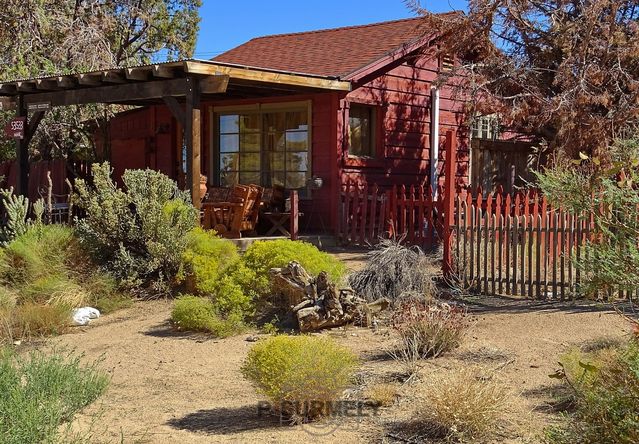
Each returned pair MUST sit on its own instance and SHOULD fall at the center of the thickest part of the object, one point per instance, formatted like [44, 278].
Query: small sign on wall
[15, 128]
[39, 106]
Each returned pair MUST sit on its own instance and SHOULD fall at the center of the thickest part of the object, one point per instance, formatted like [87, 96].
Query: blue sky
[226, 24]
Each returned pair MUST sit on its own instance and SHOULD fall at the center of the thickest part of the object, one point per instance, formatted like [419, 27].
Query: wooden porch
[182, 87]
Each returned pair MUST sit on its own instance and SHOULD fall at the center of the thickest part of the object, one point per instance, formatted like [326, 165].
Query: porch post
[22, 151]
[192, 133]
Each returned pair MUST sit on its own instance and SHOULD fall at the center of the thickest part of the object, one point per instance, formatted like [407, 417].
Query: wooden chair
[239, 214]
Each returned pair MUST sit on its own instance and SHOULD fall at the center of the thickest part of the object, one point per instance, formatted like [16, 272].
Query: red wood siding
[404, 96]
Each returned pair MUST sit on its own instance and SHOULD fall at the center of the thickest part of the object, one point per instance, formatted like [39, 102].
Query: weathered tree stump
[316, 303]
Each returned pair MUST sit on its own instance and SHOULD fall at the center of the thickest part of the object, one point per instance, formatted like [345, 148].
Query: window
[361, 131]
[264, 147]
[486, 127]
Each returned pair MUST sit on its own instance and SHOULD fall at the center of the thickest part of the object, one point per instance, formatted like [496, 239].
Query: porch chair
[237, 215]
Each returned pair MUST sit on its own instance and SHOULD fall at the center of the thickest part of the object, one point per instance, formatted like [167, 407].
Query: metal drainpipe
[434, 139]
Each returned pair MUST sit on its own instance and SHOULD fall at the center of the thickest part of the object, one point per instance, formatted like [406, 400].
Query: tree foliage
[46, 37]
[610, 196]
[565, 71]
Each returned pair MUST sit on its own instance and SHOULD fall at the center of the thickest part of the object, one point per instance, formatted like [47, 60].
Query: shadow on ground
[166, 330]
[501, 304]
[226, 421]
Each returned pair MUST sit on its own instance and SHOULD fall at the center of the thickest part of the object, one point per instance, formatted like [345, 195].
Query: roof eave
[388, 59]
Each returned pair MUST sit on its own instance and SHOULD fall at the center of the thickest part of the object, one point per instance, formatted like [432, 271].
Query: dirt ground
[170, 387]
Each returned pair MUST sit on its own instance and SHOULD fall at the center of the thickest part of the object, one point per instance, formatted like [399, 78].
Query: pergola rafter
[181, 86]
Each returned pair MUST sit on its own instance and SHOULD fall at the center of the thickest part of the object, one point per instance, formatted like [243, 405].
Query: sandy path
[173, 388]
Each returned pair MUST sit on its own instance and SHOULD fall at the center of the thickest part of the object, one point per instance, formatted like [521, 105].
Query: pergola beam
[129, 92]
[299, 80]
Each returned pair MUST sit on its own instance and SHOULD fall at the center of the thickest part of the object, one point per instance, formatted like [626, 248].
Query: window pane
[297, 141]
[229, 178]
[250, 123]
[277, 161]
[249, 177]
[229, 124]
[278, 178]
[229, 162]
[297, 161]
[275, 122]
[250, 142]
[250, 162]
[229, 143]
[275, 142]
[297, 120]
[295, 180]
[360, 131]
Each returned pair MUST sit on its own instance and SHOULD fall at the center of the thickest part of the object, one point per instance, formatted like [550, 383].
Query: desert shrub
[261, 256]
[200, 314]
[45, 273]
[383, 395]
[8, 298]
[40, 393]
[16, 210]
[300, 375]
[204, 259]
[392, 270]
[30, 320]
[139, 232]
[605, 386]
[428, 329]
[462, 405]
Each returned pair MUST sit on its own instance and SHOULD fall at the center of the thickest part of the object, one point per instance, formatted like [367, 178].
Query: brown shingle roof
[329, 52]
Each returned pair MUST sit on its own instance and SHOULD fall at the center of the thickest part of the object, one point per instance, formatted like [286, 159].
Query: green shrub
[45, 273]
[206, 256]
[41, 251]
[200, 314]
[8, 298]
[40, 393]
[139, 232]
[300, 375]
[606, 397]
[261, 256]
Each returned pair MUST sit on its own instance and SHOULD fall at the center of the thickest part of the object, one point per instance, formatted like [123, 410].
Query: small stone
[252, 338]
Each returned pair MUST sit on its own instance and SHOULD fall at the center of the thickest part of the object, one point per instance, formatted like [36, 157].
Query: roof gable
[330, 52]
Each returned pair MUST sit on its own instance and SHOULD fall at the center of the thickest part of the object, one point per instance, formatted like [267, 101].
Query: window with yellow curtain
[266, 148]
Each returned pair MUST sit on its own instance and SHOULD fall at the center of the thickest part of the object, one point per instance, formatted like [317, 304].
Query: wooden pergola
[181, 86]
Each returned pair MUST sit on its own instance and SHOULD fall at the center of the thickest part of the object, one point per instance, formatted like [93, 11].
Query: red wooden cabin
[383, 128]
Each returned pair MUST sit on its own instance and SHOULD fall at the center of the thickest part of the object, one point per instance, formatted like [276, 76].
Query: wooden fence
[517, 245]
[370, 213]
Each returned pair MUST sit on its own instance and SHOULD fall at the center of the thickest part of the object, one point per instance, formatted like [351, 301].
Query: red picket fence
[368, 214]
[493, 243]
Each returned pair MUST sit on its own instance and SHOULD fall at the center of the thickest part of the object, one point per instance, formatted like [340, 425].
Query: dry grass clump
[392, 270]
[382, 394]
[30, 320]
[462, 406]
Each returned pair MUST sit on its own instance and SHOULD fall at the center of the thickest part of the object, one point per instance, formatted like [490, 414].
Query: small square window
[361, 131]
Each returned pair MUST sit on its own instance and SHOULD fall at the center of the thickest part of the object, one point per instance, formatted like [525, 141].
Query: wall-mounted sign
[7, 104]
[15, 128]
[39, 106]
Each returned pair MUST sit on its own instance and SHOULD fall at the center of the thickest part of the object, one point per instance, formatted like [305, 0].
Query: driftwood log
[316, 303]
